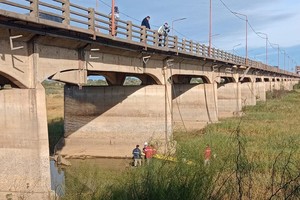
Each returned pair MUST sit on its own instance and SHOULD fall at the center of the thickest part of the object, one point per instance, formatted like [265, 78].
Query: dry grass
[55, 106]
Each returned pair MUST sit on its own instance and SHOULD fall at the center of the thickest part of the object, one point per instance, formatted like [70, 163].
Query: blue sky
[279, 19]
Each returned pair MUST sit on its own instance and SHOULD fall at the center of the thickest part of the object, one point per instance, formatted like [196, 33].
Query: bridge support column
[260, 91]
[24, 148]
[109, 121]
[268, 85]
[287, 84]
[275, 84]
[194, 106]
[229, 99]
[248, 93]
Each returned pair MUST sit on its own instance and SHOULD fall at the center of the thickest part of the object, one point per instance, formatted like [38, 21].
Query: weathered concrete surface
[24, 148]
[111, 120]
[248, 94]
[287, 85]
[260, 91]
[194, 106]
[229, 99]
[268, 86]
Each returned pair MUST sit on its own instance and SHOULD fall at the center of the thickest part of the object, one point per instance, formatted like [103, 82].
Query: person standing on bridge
[137, 156]
[117, 16]
[145, 22]
[163, 32]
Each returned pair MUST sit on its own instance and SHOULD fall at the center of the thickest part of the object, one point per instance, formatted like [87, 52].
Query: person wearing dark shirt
[137, 156]
[145, 22]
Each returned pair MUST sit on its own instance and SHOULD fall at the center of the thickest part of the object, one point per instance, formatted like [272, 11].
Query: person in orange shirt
[149, 151]
[207, 155]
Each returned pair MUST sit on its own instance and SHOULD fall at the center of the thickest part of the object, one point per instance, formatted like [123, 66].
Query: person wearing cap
[163, 32]
[137, 156]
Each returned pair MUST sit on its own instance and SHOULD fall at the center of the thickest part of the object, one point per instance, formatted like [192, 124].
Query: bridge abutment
[24, 147]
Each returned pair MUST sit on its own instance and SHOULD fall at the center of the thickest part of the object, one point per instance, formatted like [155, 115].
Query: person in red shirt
[149, 151]
[207, 155]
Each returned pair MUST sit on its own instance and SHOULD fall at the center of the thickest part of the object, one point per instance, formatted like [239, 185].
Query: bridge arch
[227, 79]
[245, 80]
[258, 79]
[6, 79]
[189, 79]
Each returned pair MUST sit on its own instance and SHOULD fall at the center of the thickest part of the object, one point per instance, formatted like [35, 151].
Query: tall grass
[55, 133]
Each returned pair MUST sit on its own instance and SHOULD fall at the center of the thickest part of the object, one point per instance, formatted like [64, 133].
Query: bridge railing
[98, 24]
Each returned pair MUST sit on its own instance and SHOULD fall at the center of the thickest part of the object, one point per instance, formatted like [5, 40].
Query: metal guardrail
[93, 22]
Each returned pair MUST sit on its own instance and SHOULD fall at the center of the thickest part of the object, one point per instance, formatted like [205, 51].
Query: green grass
[55, 132]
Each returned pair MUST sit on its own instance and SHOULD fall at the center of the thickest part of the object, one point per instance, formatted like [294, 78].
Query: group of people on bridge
[163, 30]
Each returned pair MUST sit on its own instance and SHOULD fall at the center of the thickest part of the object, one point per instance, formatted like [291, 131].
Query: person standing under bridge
[149, 151]
[207, 155]
[137, 156]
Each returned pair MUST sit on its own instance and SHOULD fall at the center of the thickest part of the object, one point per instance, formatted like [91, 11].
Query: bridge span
[183, 87]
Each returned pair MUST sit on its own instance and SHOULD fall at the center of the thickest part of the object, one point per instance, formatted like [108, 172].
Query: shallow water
[57, 179]
[58, 173]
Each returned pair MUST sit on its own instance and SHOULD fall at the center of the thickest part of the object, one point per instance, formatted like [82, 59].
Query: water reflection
[57, 179]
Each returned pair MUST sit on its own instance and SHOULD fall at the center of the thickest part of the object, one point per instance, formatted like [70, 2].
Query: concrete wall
[260, 91]
[268, 86]
[288, 85]
[229, 99]
[24, 148]
[276, 85]
[248, 94]
[111, 120]
[194, 106]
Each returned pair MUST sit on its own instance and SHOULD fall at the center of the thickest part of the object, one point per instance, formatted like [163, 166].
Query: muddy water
[58, 173]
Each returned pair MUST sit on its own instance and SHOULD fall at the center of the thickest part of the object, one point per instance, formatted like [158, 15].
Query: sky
[279, 19]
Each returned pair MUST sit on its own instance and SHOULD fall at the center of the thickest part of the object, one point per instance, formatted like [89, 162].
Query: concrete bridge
[184, 85]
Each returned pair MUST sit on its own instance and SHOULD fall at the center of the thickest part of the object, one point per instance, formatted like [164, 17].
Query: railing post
[91, 22]
[91, 19]
[183, 45]
[202, 50]
[143, 34]
[66, 12]
[34, 6]
[129, 30]
[197, 48]
[176, 43]
[166, 42]
[156, 39]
